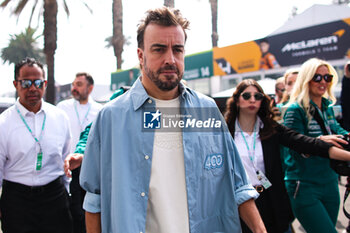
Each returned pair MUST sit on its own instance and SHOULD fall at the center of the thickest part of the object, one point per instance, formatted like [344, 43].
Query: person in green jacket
[73, 161]
[311, 183]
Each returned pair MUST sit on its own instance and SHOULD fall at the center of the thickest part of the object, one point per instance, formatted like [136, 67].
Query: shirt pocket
[213, 156]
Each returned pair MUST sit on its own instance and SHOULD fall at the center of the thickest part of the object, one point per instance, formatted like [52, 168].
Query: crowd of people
[80, 167]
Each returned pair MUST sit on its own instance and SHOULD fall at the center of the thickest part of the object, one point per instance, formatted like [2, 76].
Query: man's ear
[90, 88]
[15, 83]
[140, 55]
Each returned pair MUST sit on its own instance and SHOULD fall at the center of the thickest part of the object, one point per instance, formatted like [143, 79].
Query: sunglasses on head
[248, 95]
[318, 78]
[27, 83]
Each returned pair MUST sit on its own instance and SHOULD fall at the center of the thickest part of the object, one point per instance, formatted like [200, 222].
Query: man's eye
[179, 50]
[158, 49]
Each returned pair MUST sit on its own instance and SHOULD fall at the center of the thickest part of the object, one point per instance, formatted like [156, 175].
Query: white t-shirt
[167, 209]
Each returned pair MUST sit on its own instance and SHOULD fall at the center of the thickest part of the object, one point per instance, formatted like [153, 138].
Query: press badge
[39, 161]
[263, 179]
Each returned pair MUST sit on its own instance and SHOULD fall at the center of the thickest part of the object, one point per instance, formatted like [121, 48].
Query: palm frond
[87, 6]
[20, 7]
[65, 6]
[32, 13]
[4, 3]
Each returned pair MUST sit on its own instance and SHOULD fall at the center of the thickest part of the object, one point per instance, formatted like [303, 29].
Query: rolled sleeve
[245, 193]
[92, 203]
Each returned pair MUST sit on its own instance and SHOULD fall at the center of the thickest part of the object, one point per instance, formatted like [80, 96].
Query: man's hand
[276, 111]
[71, 162]
[93, 222]
[250, 215]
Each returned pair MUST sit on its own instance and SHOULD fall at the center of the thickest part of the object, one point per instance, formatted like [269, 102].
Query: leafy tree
[23, 45]
[50, 10]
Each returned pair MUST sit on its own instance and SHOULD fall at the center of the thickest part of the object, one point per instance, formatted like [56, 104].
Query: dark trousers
[43, 209]
[263, 203]
[76, 206]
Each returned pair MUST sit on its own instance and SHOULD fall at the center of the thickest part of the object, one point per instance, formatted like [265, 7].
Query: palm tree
[214, 22]
[50, 35]
[23, 45]
[118, 38]
[169, 3]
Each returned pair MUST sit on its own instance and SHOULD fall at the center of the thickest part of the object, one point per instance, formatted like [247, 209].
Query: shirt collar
[139, 95]
[260, 125]
[325, 103]
[25, 111]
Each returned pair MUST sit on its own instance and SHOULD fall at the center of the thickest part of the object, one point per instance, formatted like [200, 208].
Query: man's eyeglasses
[27, 83]
[318, 78]
[257, 95]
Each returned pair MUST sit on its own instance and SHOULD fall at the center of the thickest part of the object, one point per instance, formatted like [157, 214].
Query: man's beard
[78, 96]
[171, 81]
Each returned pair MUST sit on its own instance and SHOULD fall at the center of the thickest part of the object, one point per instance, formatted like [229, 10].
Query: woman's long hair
[301, 91]
[265, 113]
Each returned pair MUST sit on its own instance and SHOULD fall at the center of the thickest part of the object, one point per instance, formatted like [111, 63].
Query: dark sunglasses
[318, 77]
[257, 95]
[26, 83]
[281, 90]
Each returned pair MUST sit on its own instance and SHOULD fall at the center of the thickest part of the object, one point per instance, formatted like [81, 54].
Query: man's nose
[33, 87]
[169, 57]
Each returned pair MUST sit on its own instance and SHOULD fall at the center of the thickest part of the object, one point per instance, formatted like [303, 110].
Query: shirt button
[146, 157]
[149, 101]
[143, 194]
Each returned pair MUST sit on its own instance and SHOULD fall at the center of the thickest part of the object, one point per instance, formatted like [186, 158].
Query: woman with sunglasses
[258, 138]
[311, 183]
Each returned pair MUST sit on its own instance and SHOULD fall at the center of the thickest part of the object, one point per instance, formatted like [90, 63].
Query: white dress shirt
[19, 150]
[86, 112]
[254, 161]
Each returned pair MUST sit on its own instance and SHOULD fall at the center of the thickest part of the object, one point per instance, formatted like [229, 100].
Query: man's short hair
[163, 16]
[87, 76]
[29, 61]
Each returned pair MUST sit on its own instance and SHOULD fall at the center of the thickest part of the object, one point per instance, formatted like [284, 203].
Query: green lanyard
[251, 153]
[86, 115]
[39, 160]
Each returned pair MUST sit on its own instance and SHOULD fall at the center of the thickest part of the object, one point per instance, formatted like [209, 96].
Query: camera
[346, 137]
[342, 167]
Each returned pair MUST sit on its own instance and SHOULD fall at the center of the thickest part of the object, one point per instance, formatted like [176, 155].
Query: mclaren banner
[330, 41]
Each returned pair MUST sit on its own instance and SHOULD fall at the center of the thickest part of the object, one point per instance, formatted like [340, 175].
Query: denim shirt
[117, 166]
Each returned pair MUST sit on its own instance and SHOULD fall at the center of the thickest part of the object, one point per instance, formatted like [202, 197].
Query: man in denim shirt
[189, 179]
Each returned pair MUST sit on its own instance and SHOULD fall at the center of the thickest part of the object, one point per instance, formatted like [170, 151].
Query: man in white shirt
[81, 110]
[34, 141]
